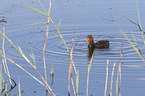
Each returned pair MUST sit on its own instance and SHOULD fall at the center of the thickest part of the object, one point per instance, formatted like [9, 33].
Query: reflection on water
[101, 19]
[90, 53]
[52, 75]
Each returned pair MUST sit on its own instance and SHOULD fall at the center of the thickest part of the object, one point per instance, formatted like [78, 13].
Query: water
[99, 18]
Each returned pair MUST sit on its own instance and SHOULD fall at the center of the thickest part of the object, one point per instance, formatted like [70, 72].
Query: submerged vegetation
[4, 85]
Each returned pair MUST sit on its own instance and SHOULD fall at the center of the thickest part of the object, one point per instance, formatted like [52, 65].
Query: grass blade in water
[132, 45]
[36, 23]
[130, 20]
[35, 9]
[89, 67]
[137, 44]
[19, 87]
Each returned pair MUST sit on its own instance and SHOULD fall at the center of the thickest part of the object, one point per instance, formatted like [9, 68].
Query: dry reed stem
[110, 94]
[72, 60]
[23, 55]
[23, 70]
[120, 68]
[46, 40]
[70, 71]
[36, 70]
[29, 74]
[70, 67]
[29, 63]
[5, 61]
[74, 67]
[77, 83]
[119, 72]
[73, 85]
[106, 78]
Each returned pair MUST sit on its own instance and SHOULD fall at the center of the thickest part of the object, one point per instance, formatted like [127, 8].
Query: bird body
[101, 44]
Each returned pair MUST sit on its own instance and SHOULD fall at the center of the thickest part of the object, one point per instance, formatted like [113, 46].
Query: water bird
[101, 44]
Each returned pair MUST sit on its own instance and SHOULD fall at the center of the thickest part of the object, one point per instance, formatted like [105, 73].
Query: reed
[23, 55]
[47, 29]
[106, 78]
[44, 80]
[77, 83]
[4, 61]
[110, 93]
[137, 50]
[1, 80]
[119, 73]
[70, 70]
[19, 87]
[6, 69]
[57, 28]
[32, 55]
[89, 68]
[139, 25]
[33, 65]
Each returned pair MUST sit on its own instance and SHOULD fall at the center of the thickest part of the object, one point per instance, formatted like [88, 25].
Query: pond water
[102, 19]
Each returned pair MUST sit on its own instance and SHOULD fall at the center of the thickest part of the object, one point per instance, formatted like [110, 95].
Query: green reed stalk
[132, 45]
[89, 68]
[57, 28]
[21, 68]
[51, 22]
[30, 74]
[139, 25]
[20, 51]
[137, 45]
[19, 87]
[42, 5]
[5, 88]
[33, 57]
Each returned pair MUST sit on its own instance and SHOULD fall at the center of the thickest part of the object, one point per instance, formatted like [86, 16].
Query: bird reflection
[101, 44]
[90, 53]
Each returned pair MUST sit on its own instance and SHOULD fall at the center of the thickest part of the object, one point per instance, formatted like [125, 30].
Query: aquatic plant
[137, 49]
[71, 64]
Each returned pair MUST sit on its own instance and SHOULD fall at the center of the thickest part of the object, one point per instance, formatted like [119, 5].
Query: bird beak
[88, 39]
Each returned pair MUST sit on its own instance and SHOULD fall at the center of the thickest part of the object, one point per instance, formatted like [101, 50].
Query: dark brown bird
[101, 44]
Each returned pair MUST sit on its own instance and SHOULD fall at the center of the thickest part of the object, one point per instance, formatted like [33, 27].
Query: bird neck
[91, 42]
